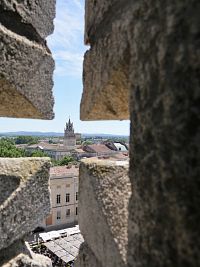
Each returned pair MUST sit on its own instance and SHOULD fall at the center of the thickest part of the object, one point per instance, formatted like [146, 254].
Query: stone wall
[26, 64]
[143, 64]
[104, 192]
[26, 68]
[148, 52]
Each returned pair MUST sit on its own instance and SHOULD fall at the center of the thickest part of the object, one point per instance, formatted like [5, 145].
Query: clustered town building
[67, 146]
[64, 180]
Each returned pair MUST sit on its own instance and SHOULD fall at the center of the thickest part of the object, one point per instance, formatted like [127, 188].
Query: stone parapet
[26, 70]
[31, 17]
[105, 73]
[144, 59]
[27, 259]
[93, 20]
[104, 191]
[165, 134]
[26, 64]
[24, 197]
[86, 257]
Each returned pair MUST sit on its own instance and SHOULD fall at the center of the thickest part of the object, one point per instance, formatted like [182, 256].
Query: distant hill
[56, 134]
[31, 133]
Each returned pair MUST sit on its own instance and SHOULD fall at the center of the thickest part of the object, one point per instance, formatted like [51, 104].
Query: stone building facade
[64, 197]
[143, 64]
[54, 151]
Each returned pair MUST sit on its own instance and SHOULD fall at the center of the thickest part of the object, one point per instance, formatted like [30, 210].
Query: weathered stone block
[25, 261]
[86, 257]
[24, 196]
[165, 135]
[95, 13]
[26, 70]
[103, 209]
[156, 45]
[30, 17]
[106, 64]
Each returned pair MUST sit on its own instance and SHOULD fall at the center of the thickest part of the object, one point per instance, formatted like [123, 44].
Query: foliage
[87, 142]
[37, 153]
[8, 149]
[65, 161]
[26, 140]
[119, 139]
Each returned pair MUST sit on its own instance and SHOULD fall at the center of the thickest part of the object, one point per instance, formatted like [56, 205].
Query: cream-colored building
[54, 151]
[64, 197]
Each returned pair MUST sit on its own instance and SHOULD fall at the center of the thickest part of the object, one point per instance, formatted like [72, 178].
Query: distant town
[66, 152]
[62, 148]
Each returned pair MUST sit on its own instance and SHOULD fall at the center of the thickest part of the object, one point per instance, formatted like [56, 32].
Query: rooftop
[69, 170]
[120, 146]
[98, 148]
[114, 157]
[47, 146]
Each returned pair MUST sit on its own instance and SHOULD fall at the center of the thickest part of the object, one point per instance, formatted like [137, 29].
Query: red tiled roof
[99, 148]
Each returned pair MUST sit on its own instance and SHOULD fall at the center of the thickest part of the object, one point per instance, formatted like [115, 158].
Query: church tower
[69, 136]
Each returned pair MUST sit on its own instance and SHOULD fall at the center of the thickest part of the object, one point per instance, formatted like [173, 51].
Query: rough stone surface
[155, 44]
[25, 196]
[13, 251]
[103, 209]
[93, 20]
[105, 70]
[23, 260]
[26, 71]
[29, 16]
[26, 64]
[86, 257]
[164, 152]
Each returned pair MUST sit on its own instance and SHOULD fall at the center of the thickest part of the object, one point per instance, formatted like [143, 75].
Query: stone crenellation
[143, 64]
[26, 68]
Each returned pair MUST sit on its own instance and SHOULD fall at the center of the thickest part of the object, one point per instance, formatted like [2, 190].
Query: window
[58, 199]
[58, 215]
[76, 196]
[76, 211]
[67, 212]
[67, 197]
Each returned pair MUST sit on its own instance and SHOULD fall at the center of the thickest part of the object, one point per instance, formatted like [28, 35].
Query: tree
[38, 153]
[26, 140]
[87, 142]
[8, 149]
[66, 160]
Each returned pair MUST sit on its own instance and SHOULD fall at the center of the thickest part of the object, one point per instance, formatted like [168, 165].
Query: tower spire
[69, 135]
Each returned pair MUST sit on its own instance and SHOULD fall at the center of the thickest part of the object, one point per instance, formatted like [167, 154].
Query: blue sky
[67, 46]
